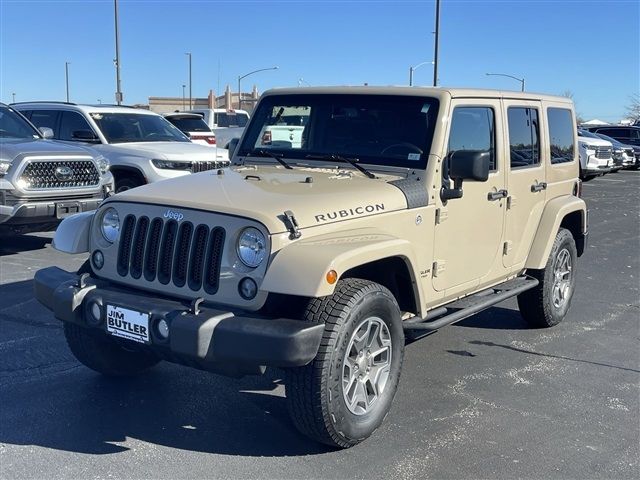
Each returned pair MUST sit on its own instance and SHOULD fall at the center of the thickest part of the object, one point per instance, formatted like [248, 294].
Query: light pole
[190, 98]
[245, 76]
[437, 42]
[13, 96]
[99, 101]
[413, 69]
[66, 78]
[183, 87]
[116, 60]
[521, 80]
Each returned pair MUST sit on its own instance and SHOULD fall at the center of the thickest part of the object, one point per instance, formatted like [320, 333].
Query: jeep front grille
[182, 254]
[205, 166]
[45, 174]
[603, 152]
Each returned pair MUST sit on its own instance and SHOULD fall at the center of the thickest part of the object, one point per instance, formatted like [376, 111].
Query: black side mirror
[465, 165]
[85, 136]
[233, 144]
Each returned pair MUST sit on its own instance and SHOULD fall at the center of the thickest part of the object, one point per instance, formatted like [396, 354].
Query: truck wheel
[345, 393]
[127, 183]
[547, 304]
[105, 355]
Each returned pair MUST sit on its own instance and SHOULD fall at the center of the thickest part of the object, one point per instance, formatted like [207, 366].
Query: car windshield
[13, 125]
[391, 130]
[585, 133]
[137, 127]
[190, 124]
[609, 139]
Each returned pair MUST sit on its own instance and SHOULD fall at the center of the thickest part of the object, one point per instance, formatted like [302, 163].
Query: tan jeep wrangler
[398, 210]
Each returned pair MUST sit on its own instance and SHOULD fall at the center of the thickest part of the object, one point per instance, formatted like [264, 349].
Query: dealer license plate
[129, 324]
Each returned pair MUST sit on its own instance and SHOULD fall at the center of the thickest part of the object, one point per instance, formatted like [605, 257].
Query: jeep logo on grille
[64, 173]
[173, 215]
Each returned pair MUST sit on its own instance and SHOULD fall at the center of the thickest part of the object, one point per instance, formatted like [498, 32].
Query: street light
[245, 76]
[183, 86]
[413, 69]
[99, 101]
[190, 98]
[66, 77]
[521, 80]
[13, 96]
[116, 60]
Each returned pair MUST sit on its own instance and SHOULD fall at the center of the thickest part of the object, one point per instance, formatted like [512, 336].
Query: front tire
[345, 393]
[547, 304]
[105, 355]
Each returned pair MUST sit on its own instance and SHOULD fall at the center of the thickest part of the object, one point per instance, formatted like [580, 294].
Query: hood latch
[292, 225]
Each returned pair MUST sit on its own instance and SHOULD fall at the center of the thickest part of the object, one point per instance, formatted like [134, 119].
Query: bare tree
[633, 109]
[569, 94]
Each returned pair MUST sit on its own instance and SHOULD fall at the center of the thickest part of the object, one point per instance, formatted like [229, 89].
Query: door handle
[538, 187]
[499, 195]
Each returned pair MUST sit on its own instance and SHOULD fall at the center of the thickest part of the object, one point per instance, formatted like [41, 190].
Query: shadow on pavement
[12, 244]
[496, 318]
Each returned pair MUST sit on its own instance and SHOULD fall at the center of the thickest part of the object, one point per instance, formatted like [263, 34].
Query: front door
[525, 180]
[468, 233]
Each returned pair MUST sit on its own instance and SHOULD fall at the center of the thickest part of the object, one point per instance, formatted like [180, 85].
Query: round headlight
[110, 225]
[252, 247]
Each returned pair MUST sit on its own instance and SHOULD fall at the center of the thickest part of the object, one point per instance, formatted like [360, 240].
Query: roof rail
[44, 101]
[110, 105]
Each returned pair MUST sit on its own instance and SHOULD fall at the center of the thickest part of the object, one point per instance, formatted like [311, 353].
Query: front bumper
[217, 340]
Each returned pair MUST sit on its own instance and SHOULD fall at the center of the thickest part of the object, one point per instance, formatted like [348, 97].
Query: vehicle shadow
[12, 244]
[496, 318]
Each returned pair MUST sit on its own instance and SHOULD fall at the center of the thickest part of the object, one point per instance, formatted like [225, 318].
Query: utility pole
[435, 54]
[13, 96]
[117, 59]
[190, 97]
[66, 78]
[183, 87]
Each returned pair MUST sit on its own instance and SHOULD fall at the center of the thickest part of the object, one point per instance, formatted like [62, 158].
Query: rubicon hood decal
[349, 212]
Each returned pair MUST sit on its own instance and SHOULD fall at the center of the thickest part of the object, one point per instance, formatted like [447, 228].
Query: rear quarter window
[561, 135]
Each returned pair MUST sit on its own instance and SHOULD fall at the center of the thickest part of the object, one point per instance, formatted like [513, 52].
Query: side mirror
[465, 165]
[85, 136]
[46, 132]
[233, 144]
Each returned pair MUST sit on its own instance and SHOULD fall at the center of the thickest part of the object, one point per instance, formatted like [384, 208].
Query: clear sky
[591, 48]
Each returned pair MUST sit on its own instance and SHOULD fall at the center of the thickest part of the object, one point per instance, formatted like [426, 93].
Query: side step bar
[467, 306]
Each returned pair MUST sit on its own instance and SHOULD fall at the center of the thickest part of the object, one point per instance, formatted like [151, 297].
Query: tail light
[577, 189]
[210, 139]
[266, 138]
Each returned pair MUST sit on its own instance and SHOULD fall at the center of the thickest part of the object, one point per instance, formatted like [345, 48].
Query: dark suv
[626, 134]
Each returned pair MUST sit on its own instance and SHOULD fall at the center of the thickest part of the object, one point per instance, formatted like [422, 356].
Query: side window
[472, 128]
[524, 138]
[561, 135]
[46, 118]
[25, 113]
[72, 122]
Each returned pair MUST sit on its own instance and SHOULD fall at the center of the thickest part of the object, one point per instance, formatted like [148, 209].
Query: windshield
[12, 125]
[587, 134]
[190, 124]
[376, 129]
[137, 127]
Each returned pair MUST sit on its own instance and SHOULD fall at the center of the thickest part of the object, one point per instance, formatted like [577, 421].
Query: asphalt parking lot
[486, 398]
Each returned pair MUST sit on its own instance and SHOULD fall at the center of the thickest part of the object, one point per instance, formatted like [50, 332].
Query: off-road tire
[105, 355]
[536, 305]
[314, 392]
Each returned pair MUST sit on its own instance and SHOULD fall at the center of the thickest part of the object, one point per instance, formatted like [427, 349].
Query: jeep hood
[185, 151]
[315, 196]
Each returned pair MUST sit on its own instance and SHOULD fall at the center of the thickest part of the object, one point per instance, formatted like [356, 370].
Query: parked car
[285, 128]
[629, 155]
[306, 259]
[627, 134]
[194, 126]
[42, 181]
[141, 146]
[596, 155]
[226, 124]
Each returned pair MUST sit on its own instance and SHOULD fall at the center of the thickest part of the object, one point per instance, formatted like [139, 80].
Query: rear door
[526, 184]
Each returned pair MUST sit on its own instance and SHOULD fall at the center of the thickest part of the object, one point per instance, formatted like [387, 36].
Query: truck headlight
[4, 167]
[110, 226]
[171, 164]
[103, 165]
[252, 247]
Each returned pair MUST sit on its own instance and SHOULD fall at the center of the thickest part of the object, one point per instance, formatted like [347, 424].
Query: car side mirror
[465, 165]
[85, 136]
[46, 132]
[233, 144]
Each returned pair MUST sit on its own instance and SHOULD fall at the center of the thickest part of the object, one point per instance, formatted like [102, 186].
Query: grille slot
[214, 257]
[43, 174]
[197, 257]
[603, 152]
[152, 250]
[181, 258]
[137, 250]
[124, 252]
[166, 251]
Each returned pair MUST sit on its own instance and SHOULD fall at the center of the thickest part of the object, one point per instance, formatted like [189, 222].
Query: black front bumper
[213, 339]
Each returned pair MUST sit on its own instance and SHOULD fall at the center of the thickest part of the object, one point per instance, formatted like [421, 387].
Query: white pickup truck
[226, 124]
[286, 127]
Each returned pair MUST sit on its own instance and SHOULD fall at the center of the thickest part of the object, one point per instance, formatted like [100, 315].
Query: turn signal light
[332, 277]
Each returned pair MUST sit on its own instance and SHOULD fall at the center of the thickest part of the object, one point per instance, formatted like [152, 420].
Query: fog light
[95, 314]
[98, 259]
[163, 329]
[247, 288]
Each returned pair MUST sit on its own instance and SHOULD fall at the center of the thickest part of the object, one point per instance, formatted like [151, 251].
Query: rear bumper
[217, 340]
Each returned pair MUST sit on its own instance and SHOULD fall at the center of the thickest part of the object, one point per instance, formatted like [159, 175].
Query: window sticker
[413, 156]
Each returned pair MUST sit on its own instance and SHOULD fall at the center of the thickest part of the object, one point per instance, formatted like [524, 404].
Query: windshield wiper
[337, 158]
[266, 153]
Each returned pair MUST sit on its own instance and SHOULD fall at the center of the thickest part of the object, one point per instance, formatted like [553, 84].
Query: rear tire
[547, 304]
[105, 355]
[345, 393]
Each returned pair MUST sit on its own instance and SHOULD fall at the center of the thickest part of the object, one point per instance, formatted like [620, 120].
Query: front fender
[301, 268]
[552, 216]
[72, 235]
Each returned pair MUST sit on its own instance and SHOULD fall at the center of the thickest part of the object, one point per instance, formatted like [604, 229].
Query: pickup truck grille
[183, 254]
[46, 174]
[205, 166]
[603, 152]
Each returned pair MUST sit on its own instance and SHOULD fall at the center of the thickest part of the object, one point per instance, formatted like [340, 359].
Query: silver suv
[41, 181]
[141, 146]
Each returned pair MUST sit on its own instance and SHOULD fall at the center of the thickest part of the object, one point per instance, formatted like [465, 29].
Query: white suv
[141, 146]
[596, 155]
